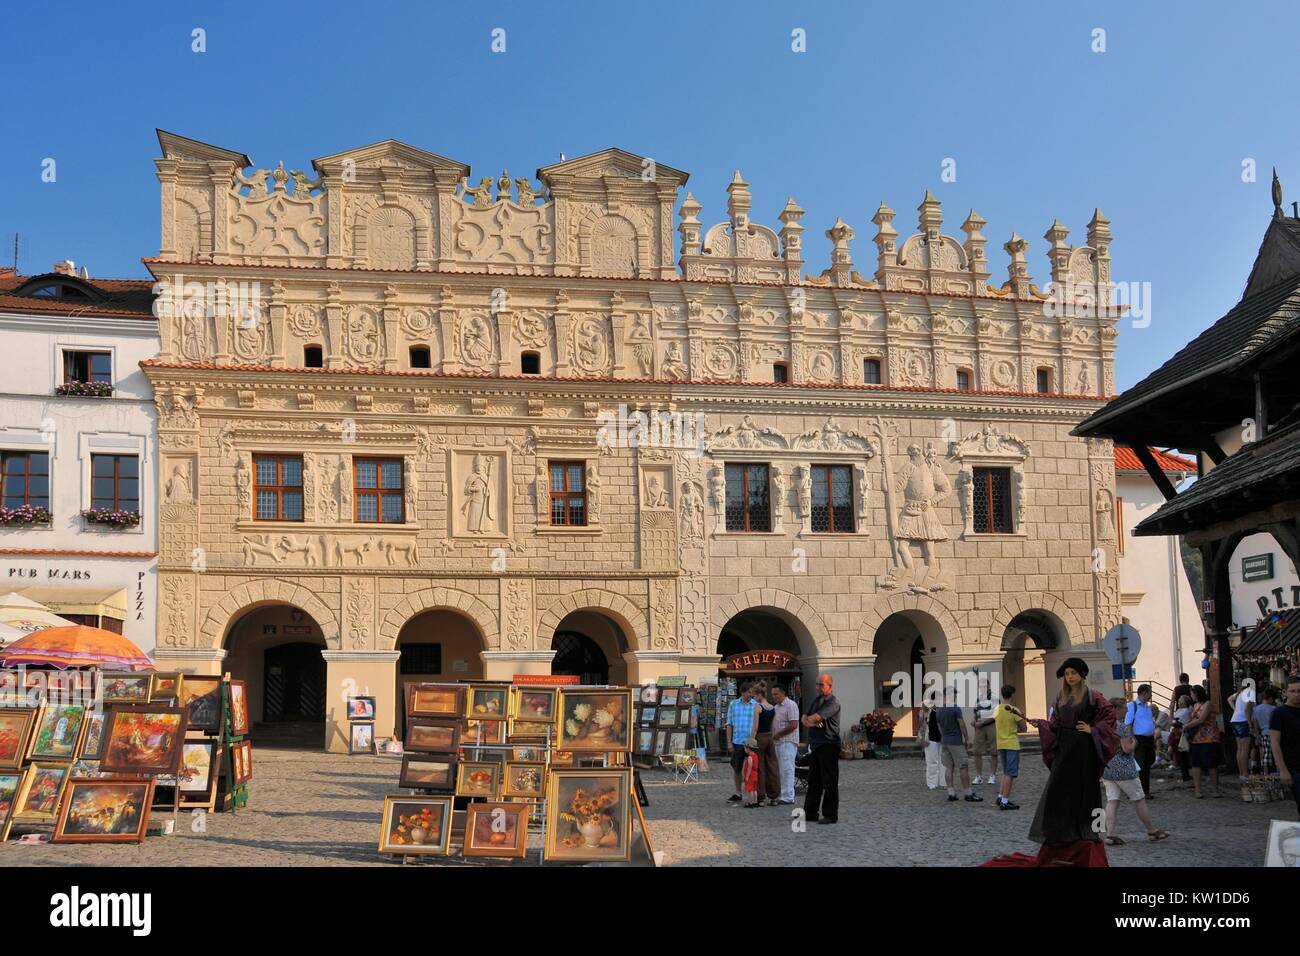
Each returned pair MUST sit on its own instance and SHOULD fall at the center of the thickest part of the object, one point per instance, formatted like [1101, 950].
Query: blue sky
[1154, 130]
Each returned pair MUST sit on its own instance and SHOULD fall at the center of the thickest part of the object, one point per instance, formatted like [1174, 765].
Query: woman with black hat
[1078, 740]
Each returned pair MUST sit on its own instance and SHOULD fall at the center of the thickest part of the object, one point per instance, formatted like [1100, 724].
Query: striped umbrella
[76, 646]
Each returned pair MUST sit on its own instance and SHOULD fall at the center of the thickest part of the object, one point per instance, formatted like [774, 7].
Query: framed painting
[588, 814]
[165, 687]
[16, 726]
[415, 825]
[685, 696]
[661, 742]
[58, 732]
[483, 732]
[105, 811]
[241, 755]
[430, 735]
[425, 773]
[533, 704]
[649, 694]
[40, 793]
[667, 717]
[361, 737]
[196, 777]
[645, 741]
[524, 778]
[125, 688]
[200, 697]
[668, 696]
[143, 740]
[92, 743]
[86, 768]
[10, 783]
[531, 729]
[679, 741]
[361, 708]
[478, 778]
[435, 700]
[647, 716]
[595, 720]
[487, 702]
[528, 754]
[496, 829]
[238, 709]
[562, 758]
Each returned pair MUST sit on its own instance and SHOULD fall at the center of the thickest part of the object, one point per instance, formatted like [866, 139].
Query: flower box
[25, 515]
[85, 389]
[111, 518]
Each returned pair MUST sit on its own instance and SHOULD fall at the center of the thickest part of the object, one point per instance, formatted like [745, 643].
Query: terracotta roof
[1126, 459]
[577, 380]
[69, 553]
[124, 297]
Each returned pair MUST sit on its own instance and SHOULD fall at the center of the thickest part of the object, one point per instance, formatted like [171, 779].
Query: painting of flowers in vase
[595, 720]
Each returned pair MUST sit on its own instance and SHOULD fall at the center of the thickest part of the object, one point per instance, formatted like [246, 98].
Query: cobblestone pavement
[324, 809]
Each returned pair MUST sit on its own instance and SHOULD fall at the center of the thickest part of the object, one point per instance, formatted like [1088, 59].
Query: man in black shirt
[823, 722]
[1184, 689]
[1284, 736]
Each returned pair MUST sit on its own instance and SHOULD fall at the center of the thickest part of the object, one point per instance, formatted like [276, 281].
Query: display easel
[236, 793]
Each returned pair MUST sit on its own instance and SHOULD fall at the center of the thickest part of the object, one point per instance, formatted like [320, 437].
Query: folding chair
[686, 768]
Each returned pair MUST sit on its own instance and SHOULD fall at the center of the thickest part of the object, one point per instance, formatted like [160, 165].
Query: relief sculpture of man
[924, 485]
[477, 508]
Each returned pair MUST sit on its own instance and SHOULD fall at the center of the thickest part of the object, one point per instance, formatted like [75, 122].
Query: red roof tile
[1126, 459]
[124, 297]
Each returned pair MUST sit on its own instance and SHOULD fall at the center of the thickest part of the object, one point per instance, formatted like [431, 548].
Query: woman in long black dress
[1078, 741]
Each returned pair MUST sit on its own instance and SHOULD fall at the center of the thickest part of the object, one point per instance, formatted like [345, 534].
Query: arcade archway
[590, 645]
[276, 650]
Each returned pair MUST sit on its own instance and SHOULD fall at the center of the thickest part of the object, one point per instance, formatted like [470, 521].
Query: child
[749, 773]
[1010, 723]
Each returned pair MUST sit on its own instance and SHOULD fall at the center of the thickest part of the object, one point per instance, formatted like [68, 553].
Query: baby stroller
[802, 762]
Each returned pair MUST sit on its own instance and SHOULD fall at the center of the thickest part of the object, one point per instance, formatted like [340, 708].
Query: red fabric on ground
[1090, 853]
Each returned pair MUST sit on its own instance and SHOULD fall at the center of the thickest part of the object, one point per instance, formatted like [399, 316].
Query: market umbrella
[76, 646]
[27, 615]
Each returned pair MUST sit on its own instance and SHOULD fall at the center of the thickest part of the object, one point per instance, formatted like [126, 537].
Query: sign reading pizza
[760, 662]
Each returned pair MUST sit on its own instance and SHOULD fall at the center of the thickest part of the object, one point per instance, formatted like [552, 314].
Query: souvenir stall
[486, 761]
[88, 752]
[1268, 653]
[773, 667]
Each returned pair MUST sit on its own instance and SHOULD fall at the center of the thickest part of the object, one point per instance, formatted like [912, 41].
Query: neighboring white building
[68, 453]
[1263, 580]
[1156, 596]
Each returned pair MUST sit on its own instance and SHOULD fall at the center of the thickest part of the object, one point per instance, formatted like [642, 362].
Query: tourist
[1078, 740]
[1184, 689]
[822, 804]
[1260, 718]
[927, 738]
[1163, 725]
[1141, 724]
[785, 740]
[1009, 724]
[953, 740]
[742, 717]
[1180, 749]
[1121, 778]
[1206, 741]
[769, 774]
[1243, 705]
[986, 735]
[1284, 736]
[751, 774]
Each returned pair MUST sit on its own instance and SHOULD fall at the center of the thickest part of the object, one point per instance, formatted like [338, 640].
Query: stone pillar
[503, 665]
[854, 680]
[646, 667]
[359, 674]
[1035, 693]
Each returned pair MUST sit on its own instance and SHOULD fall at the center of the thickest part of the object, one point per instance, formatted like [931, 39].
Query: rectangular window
[992, 501]
[1044, 381]
[26, 479]
[277, 487]
[832, 499]
[379, 493]
[871, 371]
[749, 505]
[115, 482]
[963, 380]
[568, 493]
[87, 367]
[780, 373]
[420, 659]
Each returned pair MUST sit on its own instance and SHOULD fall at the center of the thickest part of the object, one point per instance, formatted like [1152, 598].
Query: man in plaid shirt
[742, 718]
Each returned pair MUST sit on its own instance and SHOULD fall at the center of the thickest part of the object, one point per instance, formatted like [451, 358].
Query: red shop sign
[545, 680]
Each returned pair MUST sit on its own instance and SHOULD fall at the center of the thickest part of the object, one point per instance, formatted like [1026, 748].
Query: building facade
[430, 429]
[1156, 593]
[77, 444]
